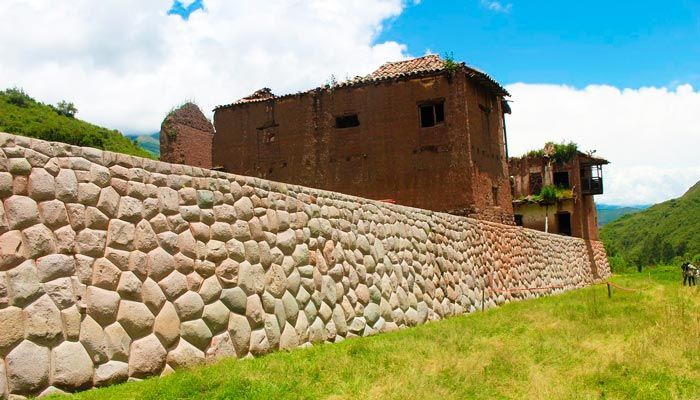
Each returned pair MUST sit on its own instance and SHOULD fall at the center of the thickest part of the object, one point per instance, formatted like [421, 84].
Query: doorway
[564, 223]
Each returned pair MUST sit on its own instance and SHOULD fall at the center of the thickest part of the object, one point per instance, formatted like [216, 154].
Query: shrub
[17, 97]
[451, 65]
[559, 152]
[66, 109]
[549, 194]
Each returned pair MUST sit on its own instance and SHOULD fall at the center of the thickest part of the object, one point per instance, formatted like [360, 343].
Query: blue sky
[621, 43]
[621, 77]
[184, 10]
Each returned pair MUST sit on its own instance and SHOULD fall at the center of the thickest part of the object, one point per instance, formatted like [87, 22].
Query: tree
[549, 197]
[66, 109]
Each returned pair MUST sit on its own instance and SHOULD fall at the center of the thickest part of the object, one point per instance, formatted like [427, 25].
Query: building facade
[576, 182]
[186, 137]
[426, 132]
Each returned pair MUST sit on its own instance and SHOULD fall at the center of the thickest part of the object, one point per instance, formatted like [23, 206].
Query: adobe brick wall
[186, 137]
[115, 267]
[450, 167]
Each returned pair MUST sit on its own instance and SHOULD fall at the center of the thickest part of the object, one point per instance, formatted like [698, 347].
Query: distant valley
[608, 213]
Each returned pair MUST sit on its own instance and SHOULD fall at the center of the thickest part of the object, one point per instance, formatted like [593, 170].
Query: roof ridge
[427, 64]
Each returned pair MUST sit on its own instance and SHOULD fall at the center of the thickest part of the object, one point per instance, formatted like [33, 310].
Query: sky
[621, 78]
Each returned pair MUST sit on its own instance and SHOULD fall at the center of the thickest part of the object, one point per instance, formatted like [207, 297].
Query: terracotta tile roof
[426, 65]
[430, 63]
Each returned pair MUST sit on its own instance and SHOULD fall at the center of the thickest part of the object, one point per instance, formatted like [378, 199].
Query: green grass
[663, 233]
[22, 115]
[579, 345]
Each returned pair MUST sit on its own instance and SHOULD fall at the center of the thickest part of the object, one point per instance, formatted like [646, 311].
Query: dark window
[535, 183]
[432, 114]
[518, 219]
[561, 179]
[564, 223]
[347, 121]
[494, 195]
[485, 120]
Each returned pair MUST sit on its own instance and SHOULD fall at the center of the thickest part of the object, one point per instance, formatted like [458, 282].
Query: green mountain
[22, 115]
[663, 233]
[608, 213]
[149, 143]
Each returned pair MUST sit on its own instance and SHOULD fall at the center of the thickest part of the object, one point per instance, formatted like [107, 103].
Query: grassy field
[580, 345]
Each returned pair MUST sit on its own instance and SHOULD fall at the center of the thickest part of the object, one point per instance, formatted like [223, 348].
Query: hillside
[608, 213]
[149, 142]
[662, 233]
[22, 115]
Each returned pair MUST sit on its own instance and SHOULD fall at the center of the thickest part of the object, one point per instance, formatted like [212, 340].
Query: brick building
[186, 137]
[576, 180]
[425, 132]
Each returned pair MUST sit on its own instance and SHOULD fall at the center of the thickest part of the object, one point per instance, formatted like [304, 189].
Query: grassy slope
[578, 345]
[41, 121]
[659, 233]
[608, 214]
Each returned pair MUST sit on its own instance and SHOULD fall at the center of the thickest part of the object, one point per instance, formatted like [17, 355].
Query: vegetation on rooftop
[451, 65]
[549, 194]
[560, 153]
[579, 345]
[20, 114]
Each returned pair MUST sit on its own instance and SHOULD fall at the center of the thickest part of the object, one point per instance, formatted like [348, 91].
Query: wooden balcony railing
[591, 185]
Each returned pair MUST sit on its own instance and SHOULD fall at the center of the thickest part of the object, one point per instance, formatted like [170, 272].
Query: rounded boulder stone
[216, 316]
[185, 355]
[71, 366]
[43, 322]
[136, 318]
[235, 299]
[147, 357]
[102, 305]
[11, 328]
[111, 372]
[25, 376]
[160, 264]
[372, 313]
[189, 306]
[196, 332]
[21, 212]
[167, 325]
[239, 330]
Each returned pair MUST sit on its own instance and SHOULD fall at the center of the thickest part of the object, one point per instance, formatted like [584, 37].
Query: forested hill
[665, 232]
[22, 115]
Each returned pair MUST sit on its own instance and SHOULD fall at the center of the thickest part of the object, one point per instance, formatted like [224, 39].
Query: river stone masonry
[114, 267]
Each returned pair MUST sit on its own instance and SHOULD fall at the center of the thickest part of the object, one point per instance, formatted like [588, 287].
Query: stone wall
[114, 267]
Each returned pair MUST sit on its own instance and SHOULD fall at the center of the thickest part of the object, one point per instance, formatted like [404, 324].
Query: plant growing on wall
[560, 153]
[451, 65]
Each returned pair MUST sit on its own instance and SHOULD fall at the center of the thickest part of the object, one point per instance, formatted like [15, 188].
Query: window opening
[561, 179]
[535, 183]
[347, 121]
[432, 114]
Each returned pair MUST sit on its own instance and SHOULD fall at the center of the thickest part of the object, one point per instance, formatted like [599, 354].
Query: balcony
[592, 179]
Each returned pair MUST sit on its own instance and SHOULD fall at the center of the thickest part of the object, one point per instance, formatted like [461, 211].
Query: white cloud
[497, 6]
[125, 63]
[650, 135]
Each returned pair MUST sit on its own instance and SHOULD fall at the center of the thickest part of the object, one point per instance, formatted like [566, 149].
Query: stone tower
[186, 137]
